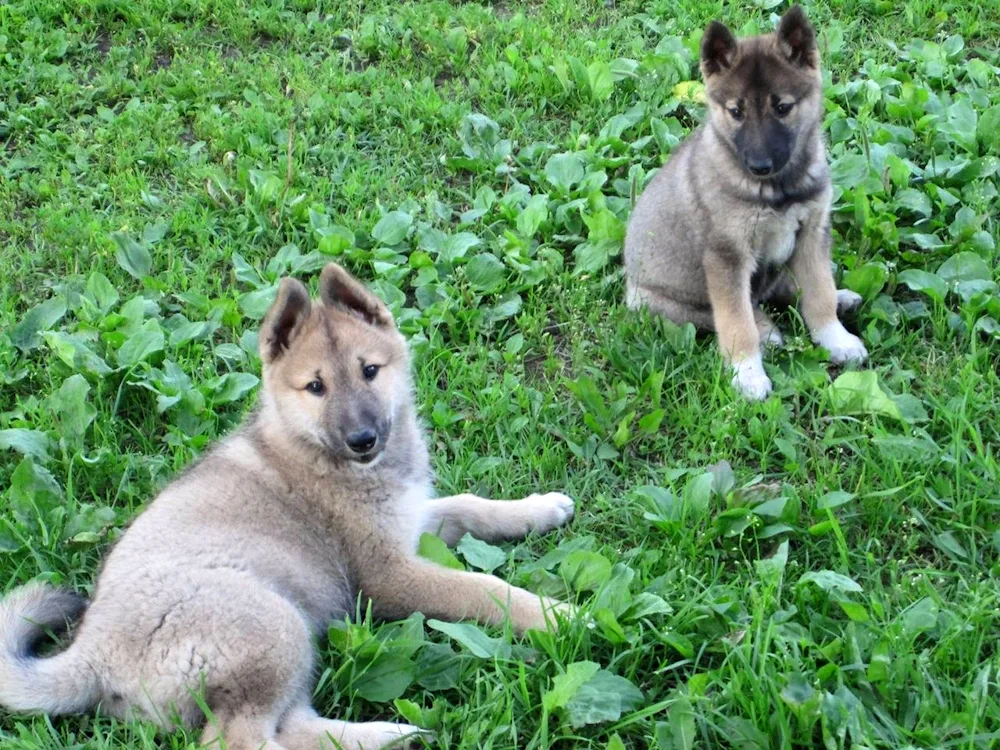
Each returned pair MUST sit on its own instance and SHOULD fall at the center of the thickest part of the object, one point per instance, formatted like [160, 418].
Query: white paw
[548, 511]
[750, 379]
[772, 337]
[842, 345]
[547, 615]
[383, 734]
[847, 300]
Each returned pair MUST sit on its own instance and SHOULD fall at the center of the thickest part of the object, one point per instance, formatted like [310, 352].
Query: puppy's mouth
[366, 458]
[343, 454]
[765, 178]
[340, 451]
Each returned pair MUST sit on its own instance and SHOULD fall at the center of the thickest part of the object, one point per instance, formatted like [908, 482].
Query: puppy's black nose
[760, 167]
[362, 441]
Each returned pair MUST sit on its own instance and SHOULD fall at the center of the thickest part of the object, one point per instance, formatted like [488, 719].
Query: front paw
[384, 735]
[842, 345]
[546, 512]
[750, 378]
[548, 614]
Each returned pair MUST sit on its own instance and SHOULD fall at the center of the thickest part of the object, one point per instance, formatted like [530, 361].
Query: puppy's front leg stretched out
[404, 584]
[496, 520]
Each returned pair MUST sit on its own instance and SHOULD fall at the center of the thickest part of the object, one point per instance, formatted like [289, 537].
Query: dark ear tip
[336, 276]
[290, 285]
[333, 276]
[717, 30]
[333, 269]
[718, 36]
[794, 16]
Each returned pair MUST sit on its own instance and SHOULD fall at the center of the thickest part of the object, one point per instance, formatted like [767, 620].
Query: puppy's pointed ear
[718, 48]
[797, 38]
[284, 320]
[341, 290]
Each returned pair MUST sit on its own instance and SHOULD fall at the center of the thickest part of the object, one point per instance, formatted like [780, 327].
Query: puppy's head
[764, 92]
[335, 370]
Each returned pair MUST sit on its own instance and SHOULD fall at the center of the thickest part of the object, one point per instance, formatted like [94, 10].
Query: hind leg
[681, 313]
[847, 300]
[768, 330]
[218, 634]
[779, 294]
[785, 292]
[782, 292]
[265, 662]
[264, 658]
[303, 729]
[676, 311]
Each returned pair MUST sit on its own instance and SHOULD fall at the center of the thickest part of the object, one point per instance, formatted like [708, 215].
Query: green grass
[831, 583]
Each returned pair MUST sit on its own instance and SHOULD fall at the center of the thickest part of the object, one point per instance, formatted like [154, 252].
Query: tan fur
[709, 240]
[222, 583]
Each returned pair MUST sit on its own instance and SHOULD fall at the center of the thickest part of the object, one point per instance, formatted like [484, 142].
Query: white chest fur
[408, 519]
[774, 233]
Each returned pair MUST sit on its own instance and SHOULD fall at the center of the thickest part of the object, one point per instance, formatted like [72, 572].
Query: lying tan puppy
[223, 582]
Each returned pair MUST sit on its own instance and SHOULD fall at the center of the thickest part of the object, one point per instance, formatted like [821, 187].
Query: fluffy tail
[58, 684]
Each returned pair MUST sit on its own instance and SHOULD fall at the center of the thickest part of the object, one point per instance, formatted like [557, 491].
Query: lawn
[818, 570]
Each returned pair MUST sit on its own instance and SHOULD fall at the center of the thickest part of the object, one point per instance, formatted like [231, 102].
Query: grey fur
[709, 240]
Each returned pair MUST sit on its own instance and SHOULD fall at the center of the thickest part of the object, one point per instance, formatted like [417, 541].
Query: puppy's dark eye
[316, 387]
[369, 371]
[736, 113]
[783, 108]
